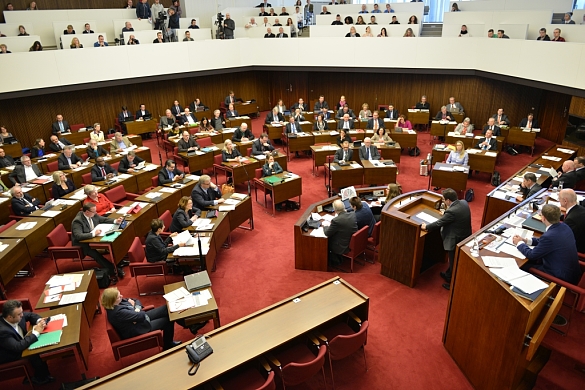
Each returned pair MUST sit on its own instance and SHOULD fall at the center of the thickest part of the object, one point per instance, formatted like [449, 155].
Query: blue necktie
[171, 175]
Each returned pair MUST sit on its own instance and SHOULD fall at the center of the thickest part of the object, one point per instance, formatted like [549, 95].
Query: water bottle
[561, 185]
[475, 248]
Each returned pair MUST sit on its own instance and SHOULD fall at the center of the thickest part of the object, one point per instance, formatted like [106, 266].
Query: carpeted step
[560, 373]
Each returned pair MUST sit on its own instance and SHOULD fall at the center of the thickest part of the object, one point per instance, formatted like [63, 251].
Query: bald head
[338, 206]
[569, 196]
[568, 166]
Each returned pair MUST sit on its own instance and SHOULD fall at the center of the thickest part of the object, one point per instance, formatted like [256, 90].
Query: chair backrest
[8, 224]
[376, 233]
[112, 334]
[136, 252]
[359, 242]
[269, 384]
[249, 152]
[342, 346]
[217, 159]
[26, 306]
[86, 140]
[116, 165]
[205, 141]
[116, 194]
[258, 173]
[167, 218]
[296, 373]
[51, 192]
[84, 156]
[168, 145]
[75, 128]
[53, 166]
[154, 181]
[58, 236]
[86, 178]
[110, 136]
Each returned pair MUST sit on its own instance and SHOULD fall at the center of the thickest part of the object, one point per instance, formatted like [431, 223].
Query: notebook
[197, 280]
[46, 339]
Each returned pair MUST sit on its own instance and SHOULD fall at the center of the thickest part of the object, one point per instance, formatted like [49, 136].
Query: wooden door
[288, 86]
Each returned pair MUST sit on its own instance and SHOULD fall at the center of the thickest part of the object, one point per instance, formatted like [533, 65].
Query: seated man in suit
[60, 126]
[529, 122]
[345, 110]
[243, 134]
[292, 127]
[491, 125]
[217, 121]
[129, 162]
[83, 228]
[231, 98]
[528, 187]
[345, 154]
[262, 145]
[22, 203]
[189, 118]
[392, 113]
[298, 115]
[187, 143]
[167, 120]
[68, 159]
[346, 123]
[119, 143]
[363, 214]
[15, 339]
[423, 104]
[25, 172]
[102, 170]
[444, 115]
[5, 160]
[281, 33]
[94, 150]
[197, 105]
[231, 113]
[501, 118]
[574, 216]
[579, 168]
[274, 117]
[320, 104]
[339, 232]
[568, 176]
[300, 104]
[58, 144]
[488, 142]
[169, 173]
[125, 115]
[453, 104]
[368, 151]
[143, 113]
[555, 252]
[176, 110]
[206, 194]
[376, 122]
[269, 33]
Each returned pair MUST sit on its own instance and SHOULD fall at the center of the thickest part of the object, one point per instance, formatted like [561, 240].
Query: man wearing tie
[345, 123]
[488, 142]
[344, 154]
[230, 98]
[101, 170]
[369, 152]
[57, 145]
[501, 118]
[529, 122]
[206, 194]
[274, 117]
[493, 127]
[169, 173]
[391, 112]
[68, 159]
[231, 113]
[125, 115]
[60, 126]
[189, 118]
[301, 104]
[325, 113]
[143, 113]
[22, 204]
[281, 33]
[453, 104]
[177, 109]
[376, 122]
[292, 127]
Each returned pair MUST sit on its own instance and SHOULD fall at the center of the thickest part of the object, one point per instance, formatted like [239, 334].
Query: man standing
[206, 194]
[228, 27]
[339, 232]
[143, 10]
[455, 225]
[369, 152]
[60, 126]
[555, 252]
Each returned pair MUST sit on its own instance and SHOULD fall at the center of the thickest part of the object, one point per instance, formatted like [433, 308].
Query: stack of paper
[124, 176]
[152, 195]
[318, 232]
[229, 207]
[183, 237]
[26, 226]
[522, 280]
[203, 224]
[168, 190]
[426, 217]
[50, 213]
[236, 195]
[104, 227]
[231, 201]
[73, 298]
[498, 262]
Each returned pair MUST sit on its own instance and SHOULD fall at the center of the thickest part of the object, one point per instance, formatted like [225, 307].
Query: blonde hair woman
[75, 44]
[459, 155]
[368, 33]
[365, 112]
[409, 33]
[61, 185]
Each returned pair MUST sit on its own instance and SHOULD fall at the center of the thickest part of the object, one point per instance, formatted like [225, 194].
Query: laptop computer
[197, 280]
[454, 110]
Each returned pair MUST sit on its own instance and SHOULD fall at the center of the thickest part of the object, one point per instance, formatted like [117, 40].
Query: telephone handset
[198, 350]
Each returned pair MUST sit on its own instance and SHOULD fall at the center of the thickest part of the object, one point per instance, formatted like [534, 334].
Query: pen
[182, 311]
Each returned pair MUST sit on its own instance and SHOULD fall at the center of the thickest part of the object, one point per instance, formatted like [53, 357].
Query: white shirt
[29, 173]
[18, 329]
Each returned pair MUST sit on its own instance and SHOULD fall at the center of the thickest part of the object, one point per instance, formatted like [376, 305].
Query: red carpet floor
[404, 347]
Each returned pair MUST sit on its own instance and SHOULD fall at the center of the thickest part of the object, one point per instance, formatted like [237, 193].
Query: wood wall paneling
[577, 107]
[553, 120]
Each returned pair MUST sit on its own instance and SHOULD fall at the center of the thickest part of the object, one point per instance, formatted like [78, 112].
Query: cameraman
[228, 27]
[155, 11]
[173, 25]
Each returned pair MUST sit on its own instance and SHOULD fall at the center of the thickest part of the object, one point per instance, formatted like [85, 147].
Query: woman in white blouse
[368, 32]
[459, 156]
[97, 134]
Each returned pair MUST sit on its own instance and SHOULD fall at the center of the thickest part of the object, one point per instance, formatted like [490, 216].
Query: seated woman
[39, 149]
[365, 112]
[4, 133]
[69, 30]
[36, 46]
[409, 33]
[368, 33]
[459, 155]
[174, 131]
[360, 20]
[320, 124]
[205, 126]
[352, 33]
[103, 205]
[342, 102]
[61, 185]
[381, 136]
[464, 127]
[158, 249]
[383, 32]
[393, 190]
[75, 44]
[280, 106]
[363, 214]
[343, 136]
[403, 124]
[271, 167]
[129, 320]
[229, 153]
[97, 133]
[413, 20]
[185, 215]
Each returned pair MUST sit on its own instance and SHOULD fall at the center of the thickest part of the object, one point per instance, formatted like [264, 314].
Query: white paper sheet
[72, 298]
[426, 217]
[499, 262]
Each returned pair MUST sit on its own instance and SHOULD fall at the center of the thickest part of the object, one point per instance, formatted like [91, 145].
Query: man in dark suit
[25, 172]
[345, 110]
[187, 143]
[491, 125]
[292, 126]
[345, 123]
[60, 126]
[243, 134]
[339, 232]
[262, 145]
[344, 154]
[281, 33]
[5, 160]
[574, 217]
[579, 168]
[487, 142]
[300, 104]
[196, 104]
[15, 339]
[269, 33]
[320, 104]
[529, 122]
[555, 252]
[391, 112]
[68, 159]
[217, 121]
[102, 170]
[528, 187]
[274, 117]
[567, 177]
[369, 152]
[231, 98]
[82, 228]
[264, 4]
[423, 104]
[143, 113]
[444, 115]
[125, 115]
[169, 173]
[143, 10]
[231, 113]
[58, 144]
[22, 203]
[376, 122]
[188, 118]
[129, 162]
[455, 225]
[206, 194]
[501, 118]
[94, 150]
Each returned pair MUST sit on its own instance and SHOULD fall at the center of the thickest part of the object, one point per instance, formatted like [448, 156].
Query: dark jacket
[19, 176]
[181, 219]
[93, 154]
[11, 344]
[455, 224]
[239, 134]
[96, 172]
[157, 249]
[340, 231]
[276, 168]
[164, 178]
[365, 217]
[64, 164]
[58, 192]
[56, 148]
[202, 199]
[20, 207]
[56, 128]
[184, 146]
[259, 148]
[125, 164]
[80, 229]
[6, 161]
[128, 322]
[575, 219]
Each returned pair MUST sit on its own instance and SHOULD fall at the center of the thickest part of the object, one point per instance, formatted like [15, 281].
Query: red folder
[53, 326]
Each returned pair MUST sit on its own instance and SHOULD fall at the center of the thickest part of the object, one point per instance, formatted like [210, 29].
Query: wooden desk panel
[119, 247]
[274, 132]
[241, 214]
[35, 238]
[141, 127]
[439, 129]
[144, 178]
[516, 136]
[198, 162]
[237, 122]
[324, 137]
[346, 176]
[288, 189]
[419, 117]
[242, 172]
[13, 150]
[246, 108]
[449, 179]
[129, 184]
[300, 143]
[169, 201]
[64, 217]
[379, 175]
[405, 139]
[4, 210]
[12, 259]
[320, 156]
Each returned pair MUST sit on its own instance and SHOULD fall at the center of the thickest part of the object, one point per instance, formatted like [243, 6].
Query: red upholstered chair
[13, 216]
[60, 247]
[119, 197]
[204, 142]
[374, 240]
[249, 152]
[357, 245]
[179, 160]
[122, 348]
[259, 183]
[247, 378]
[169, 147]
[115, 166]
[7, 225]
[167, 219]
[75, 128]
[343, 340]
[26, 305]
[298, 363]
[217, 166]
[53, 166]
[17, 369]
[111, 135]
[86, 178]
[153, 184]
[84, 156]
[140, 267]
[86, 140]
[117, 126]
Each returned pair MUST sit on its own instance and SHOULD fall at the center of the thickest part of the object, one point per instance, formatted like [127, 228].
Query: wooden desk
[13, 150]
[64, 217]
[289, 188]
[144, 153]
[35, 238]
[237, 121]
[274, 132]
[194, 314]
[344, 176]
[219, 235]
[241, 214]
[320, 154]
[168, 200]
[198, 162]
[418, 117]
[91, 303]
[118, 248]
[141, 220]
[216, 137]
[246, 108]
[44, 161]
[246, 339]
[471, 142]
[378, 174]
[144, 177]
[123, 179]
[4, 210]
[517, 136]
[403, 244]
[325, 137]
[12, 259]
[439, 129]
[186, 189]
[388, 152]
[443, 176]
[75, 338]
[478, 161]
[404, 138]
[300, 143]
[141, 127]
[242, 171]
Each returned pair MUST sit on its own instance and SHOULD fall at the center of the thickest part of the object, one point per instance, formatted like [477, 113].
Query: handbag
[227, 189]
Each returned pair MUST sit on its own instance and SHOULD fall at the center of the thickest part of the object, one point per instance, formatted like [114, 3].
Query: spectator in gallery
[36, 46]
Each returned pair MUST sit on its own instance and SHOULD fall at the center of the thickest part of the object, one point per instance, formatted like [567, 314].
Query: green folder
[111, 237]
[46, 339]
[272, 180]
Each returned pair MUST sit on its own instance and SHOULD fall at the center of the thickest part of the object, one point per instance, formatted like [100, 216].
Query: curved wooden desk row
[246, 339]
[491, 332]
[496, 203]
